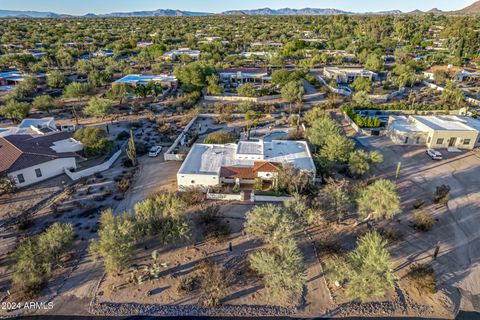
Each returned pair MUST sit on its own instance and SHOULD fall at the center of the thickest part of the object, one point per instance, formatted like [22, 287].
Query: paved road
[457, 231]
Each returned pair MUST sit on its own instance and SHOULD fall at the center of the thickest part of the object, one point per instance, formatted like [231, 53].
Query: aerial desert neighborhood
[223, 161]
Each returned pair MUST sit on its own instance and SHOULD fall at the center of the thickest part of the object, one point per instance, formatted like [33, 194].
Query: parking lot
[457, 231]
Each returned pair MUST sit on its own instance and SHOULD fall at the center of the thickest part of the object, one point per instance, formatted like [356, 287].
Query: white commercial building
[209, 165]
[460, 132]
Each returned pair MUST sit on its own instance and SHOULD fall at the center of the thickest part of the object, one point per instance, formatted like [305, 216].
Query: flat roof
[209, 158]
[445, 123]
[401, 123]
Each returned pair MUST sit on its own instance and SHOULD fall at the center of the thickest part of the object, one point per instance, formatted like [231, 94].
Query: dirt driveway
[153, 175]
[457, 231]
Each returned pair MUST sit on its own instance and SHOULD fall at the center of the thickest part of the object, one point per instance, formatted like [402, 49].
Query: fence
[91, 171]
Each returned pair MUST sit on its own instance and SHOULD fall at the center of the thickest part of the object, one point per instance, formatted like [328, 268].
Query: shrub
[423, 221]
[187, 285]
[441, 194]
[220, 137]
[192, 195]
[124, 184]
[124, 135]
[418, 203]
[216, 229]
[423, 278]
[214, 282]
[7, 185]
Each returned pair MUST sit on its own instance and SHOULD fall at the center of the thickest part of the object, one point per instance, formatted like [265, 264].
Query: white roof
[445, 123]
[401, 123]
[209, 158]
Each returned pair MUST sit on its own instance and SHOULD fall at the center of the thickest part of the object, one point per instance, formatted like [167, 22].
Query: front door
[452, 141]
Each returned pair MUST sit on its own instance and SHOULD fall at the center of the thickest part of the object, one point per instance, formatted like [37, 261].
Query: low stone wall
[91, 171]
[240, 98]
[226, 196]
[386, 97]
[169, 155]
[332, 89]
[264, 198]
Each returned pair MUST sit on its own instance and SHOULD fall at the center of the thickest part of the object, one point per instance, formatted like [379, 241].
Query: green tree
[367, 270]
[337, 148]
[194, 75]
[374, 63]
[15, 110]
[453, 95]
[56, 79]
[333, 201]
[379, 200]
[27, 87]
[359, 161]
[247, 90]
[213, 86]
[282, 270]
[361, 98]
[362, 84]
[292, 92]
[44, 103]
[98, 107]
[270, 223]
[321, 130]
[78, 90]
[95, 140]
[119, 91]
[116, 241]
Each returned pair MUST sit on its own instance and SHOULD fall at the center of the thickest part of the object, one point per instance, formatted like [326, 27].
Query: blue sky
[105, 6]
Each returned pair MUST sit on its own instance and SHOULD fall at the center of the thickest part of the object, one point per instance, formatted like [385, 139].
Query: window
[418, 140]
[429, 139]
[440, 141]
[192, 182]
[406, 140]
[38, 172]
[20, 178]
[466, 141]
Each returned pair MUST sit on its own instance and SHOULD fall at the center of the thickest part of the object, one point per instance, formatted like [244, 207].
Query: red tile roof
[233, 172]
[22, 151]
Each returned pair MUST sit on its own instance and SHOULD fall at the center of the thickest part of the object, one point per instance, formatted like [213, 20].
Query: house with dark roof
[30, 159]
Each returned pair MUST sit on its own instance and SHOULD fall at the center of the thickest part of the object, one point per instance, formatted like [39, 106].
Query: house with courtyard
[348, 75]
[175, 54]
[244, 75]
[242, 164]
[460, 132]
[30, 159]
[139, 79]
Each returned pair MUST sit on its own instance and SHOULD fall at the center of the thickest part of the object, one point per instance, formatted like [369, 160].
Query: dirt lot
[457, 229]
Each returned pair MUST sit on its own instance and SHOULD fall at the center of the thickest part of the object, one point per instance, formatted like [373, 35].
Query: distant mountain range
[472, 9]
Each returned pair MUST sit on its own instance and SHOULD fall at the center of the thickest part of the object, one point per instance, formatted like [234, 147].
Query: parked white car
[434, 154]
[154, 151]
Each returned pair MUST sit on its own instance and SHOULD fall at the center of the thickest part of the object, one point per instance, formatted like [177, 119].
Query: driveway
[457, 231]
[154, 174]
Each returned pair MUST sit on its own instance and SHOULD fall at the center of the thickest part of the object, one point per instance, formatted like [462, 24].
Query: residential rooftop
[209, 158]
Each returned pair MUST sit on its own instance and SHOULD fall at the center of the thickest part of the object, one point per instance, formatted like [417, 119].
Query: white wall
[49, 169]
[186, 180]
[90, 171]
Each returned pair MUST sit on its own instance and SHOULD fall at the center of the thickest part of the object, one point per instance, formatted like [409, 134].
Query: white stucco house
[459, 132]
[209, 165]
[174, 54]
[348, 75]
[30, 159]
